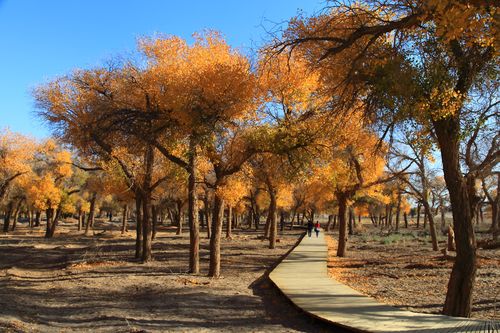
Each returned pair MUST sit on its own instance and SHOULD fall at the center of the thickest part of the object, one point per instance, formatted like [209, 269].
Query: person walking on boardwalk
[310, 226]
[316, 229]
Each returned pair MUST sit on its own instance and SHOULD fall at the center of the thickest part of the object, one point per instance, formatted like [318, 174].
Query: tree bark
[229, 222]
[194, 224]
[215, 237]
[138, 225]
[90, 216]
[273, 225]
[7, 216]
[147, 229]
[342, 202]
[418, 215]
[398, 210]
[432, 226]
[124, 219]
[460, 286]
[154, 220]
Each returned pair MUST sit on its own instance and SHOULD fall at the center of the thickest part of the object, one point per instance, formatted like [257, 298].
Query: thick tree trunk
[217, 219]
[53, 225]
[49, 214]
[342, 201]
[405, 216]
[90, 217]
[37, 218]
[193, 222]
[351, 219]
[124, 219]
[146, 229]
[7, 216]
[459, 296]
[16, 214]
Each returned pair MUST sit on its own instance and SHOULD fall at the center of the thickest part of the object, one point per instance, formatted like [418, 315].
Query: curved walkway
[303, 278]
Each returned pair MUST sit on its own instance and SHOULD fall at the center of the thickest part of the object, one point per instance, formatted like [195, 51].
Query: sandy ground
[77, 283]
[402, 270]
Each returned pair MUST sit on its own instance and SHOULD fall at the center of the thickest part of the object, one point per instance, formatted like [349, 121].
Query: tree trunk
[193, 222]
[138, 225]
[342, 201]
[124, 219]
[49, 214]
[154, 222]
[443, 216]
[432, 226]
[90, 216]
[459, 296]
[351, 218]
[405, 216]
[7, 216]
[267, 227]
[37, 218]
[418, 215]
[229, 222]
[217, 219]
[16, 215]
[53, 225]
[146, 229]
[398, 210]
[282, 220]
[273, 225]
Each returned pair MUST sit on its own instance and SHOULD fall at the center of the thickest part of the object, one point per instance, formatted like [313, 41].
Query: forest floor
[92, 284]
[402, 270]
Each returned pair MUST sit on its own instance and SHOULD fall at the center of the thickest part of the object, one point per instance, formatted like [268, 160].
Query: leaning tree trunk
[460, 286]
[273, 227]
[53, 225]
[215, 237]
[432, 225]
[124, 219]
[342, 201]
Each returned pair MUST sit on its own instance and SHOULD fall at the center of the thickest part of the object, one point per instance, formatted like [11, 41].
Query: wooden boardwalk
[302, 277]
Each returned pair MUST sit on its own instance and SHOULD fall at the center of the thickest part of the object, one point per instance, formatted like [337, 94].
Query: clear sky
[41, 39]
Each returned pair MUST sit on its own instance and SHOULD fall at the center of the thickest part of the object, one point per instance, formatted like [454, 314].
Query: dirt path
[402, 270]
[91, 284]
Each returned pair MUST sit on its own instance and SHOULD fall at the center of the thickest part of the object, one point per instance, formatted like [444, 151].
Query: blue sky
[43, 39]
